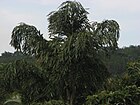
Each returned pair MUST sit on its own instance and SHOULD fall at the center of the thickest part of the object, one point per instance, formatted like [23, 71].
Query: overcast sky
[34, 12]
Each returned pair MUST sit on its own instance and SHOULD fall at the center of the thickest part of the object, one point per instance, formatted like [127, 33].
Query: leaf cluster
[122, 91]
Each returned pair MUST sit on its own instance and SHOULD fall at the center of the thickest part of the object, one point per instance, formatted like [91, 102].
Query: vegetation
[68, 68]
[122, 91]
[8, 57]
[118, 60]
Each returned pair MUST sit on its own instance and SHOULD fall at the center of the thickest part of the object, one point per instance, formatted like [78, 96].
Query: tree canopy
[70, 62]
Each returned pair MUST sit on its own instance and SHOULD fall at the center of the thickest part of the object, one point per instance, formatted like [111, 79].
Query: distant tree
[8, 57]
[118, 60]
[6, 54]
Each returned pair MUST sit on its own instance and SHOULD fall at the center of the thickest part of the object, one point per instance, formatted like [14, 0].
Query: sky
[34, 12]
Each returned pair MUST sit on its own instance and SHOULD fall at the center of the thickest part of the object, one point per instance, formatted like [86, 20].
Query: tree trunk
[71, 95]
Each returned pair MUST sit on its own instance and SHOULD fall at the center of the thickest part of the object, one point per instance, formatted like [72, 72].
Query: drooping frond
[70, 17]
[28, 39]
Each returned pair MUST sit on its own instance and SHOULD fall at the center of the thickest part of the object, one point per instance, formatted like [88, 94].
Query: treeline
[7, 57]
[116, 62]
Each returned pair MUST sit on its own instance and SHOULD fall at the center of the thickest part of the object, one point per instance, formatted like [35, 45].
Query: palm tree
[71, 59]
[81, 68]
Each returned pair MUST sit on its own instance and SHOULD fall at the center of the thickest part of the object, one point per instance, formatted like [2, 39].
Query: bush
[130, 95]
[120, 91]
[51, 102]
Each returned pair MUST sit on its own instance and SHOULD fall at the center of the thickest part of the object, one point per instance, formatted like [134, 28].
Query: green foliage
[51, 102]
[70, 65]
[55, 102]
[27, 38]
[122, 91]
[75, 66]
[24, 78]
[3, 92]
[118, 60]
[107, 34]
[129, 95]
[70, 18]
[133, 74]
[13, 99]
[8, 57]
